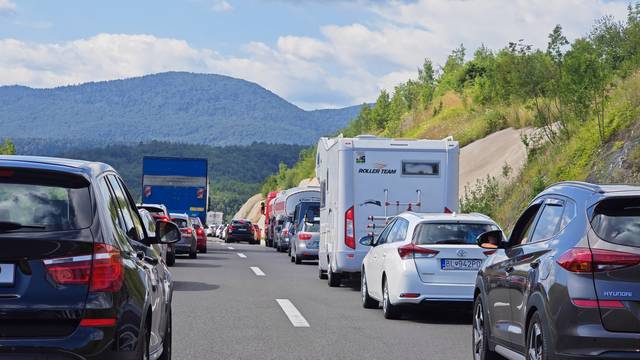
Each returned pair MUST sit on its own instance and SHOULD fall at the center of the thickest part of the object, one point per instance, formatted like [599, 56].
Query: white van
[284, 206]
[368, 179]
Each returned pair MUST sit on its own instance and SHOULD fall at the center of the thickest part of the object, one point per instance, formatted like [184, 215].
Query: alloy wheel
[536, 343]
[478, 332]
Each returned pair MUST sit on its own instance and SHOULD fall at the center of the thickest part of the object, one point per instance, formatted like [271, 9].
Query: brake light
[230, 228]
[102, 271]
[489, 252]
[200, 231]
[98, 322]
[285, 232]
[447, 210]
[589, 303]
[349, 229]
[304, 236]
[412, 251]
[161, 217]
[186, 231]
[585, 260]
[6, 173]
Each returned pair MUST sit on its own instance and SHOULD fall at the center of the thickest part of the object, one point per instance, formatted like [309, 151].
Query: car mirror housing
[492, 240]
[167, 232]
[367, 241]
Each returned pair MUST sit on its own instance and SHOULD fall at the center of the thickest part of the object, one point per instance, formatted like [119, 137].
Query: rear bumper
[240, 237]
[405, 280]
[83, 344]
[305, 253]
[183, 249]
[349, 261]
[594, 342]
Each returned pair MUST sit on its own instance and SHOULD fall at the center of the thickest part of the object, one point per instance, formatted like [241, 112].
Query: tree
[7, 148]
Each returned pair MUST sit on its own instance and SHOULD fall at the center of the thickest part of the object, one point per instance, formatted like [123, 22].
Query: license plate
[242, 229]
[7, 274]
[460, 264]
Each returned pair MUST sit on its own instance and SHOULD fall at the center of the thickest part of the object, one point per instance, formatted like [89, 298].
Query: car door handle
[535, 264]
[509, 269]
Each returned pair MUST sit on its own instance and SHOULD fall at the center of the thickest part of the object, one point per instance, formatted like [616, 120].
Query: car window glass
[113, 208]
[522, 229]
[569, 214]
[129, 227]
[382, 239]
[618, 221]
[131, 206]
[548, 224]
[399, 231]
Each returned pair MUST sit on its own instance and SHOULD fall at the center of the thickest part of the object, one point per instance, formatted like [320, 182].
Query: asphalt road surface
[250, 302]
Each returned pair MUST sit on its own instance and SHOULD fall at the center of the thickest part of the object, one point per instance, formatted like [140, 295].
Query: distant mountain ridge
[174, 106]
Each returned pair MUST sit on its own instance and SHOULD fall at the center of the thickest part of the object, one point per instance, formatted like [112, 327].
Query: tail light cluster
[285, 232]
[187, 231]
[102, 271]
[349, 229]
[230, 228]
[304, 236]
[411, 251]
[585, 260]
[161, 217]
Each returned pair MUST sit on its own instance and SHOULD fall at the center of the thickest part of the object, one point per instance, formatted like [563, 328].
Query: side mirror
[167, 232]
[367, 241]
[491, 240]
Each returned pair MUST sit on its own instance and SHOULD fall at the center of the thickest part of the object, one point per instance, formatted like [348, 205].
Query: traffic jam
[86, 272]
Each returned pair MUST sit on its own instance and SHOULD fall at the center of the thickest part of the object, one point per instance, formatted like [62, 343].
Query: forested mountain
[235, 172]
[175, 106]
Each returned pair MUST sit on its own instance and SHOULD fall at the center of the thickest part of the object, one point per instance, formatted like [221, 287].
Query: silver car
[188, 243]
[305, 241]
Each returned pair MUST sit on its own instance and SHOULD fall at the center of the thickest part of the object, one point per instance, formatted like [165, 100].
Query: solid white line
[256, 270]
[242, 255]
[230, 248]
[296, 318]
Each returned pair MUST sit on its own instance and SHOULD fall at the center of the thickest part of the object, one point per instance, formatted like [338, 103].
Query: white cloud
[7, 7]
[344, 65]
[221, 6]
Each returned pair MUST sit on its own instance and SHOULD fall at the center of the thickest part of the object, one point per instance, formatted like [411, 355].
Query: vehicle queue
[563, 285]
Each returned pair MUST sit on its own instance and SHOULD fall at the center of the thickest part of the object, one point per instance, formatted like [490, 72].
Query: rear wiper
[456, 242]
[10, 226]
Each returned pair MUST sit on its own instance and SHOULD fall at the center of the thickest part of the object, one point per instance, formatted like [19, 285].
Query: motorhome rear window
[420, 168]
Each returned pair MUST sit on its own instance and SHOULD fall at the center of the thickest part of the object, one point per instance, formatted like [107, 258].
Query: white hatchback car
[421, 258]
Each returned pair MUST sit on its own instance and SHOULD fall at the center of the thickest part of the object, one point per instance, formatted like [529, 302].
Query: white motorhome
[368, 179]
[285, 203]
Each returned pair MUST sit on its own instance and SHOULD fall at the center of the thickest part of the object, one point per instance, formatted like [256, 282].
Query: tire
[538, 342]
[168, 338]
[194, 254]
[321, 274]
[334, 278]
[204, 249]
[291, 258]
[298, 259]
[171, 259]
[480, 334]
[367, 301]
[389, 310]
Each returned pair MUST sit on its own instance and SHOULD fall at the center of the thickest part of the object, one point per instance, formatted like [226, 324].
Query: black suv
[77, 279]
[566, 284]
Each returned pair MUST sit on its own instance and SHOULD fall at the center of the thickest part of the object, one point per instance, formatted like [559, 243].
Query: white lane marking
[256, 270]
[242, 255]
[230, 248]
[296, 318]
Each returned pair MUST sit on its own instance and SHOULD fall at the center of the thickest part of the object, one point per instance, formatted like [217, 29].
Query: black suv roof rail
[580, 184]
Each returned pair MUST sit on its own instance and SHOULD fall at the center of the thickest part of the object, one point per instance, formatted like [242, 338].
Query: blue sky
[314, 53]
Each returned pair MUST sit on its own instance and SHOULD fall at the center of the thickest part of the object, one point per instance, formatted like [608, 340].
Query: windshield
[43, 207]
[618, 221]
[450, 233]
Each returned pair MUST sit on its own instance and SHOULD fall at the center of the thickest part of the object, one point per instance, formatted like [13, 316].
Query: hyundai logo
[461, 253]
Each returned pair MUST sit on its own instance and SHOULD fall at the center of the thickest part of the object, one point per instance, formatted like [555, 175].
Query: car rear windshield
[618, 221]
[181, 222]
[450, 233]
[311, 227]
[43, 201]
[153, 209]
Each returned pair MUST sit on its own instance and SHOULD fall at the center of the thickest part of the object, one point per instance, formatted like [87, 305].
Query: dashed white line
[296, 318]
[242, 255]
[256, 270]
[230, 248]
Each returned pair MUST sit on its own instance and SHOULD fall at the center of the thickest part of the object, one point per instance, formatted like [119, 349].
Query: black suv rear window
[618, 221]
[43, 201]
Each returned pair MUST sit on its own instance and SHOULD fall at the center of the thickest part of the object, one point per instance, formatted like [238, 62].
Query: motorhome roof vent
[366, 136]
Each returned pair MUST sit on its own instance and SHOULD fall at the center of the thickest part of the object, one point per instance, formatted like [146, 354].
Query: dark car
[77, 276]
[566, 284]
[240, 230]
[160, 212]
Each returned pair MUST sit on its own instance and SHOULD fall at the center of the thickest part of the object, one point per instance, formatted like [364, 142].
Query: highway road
[249, 302]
